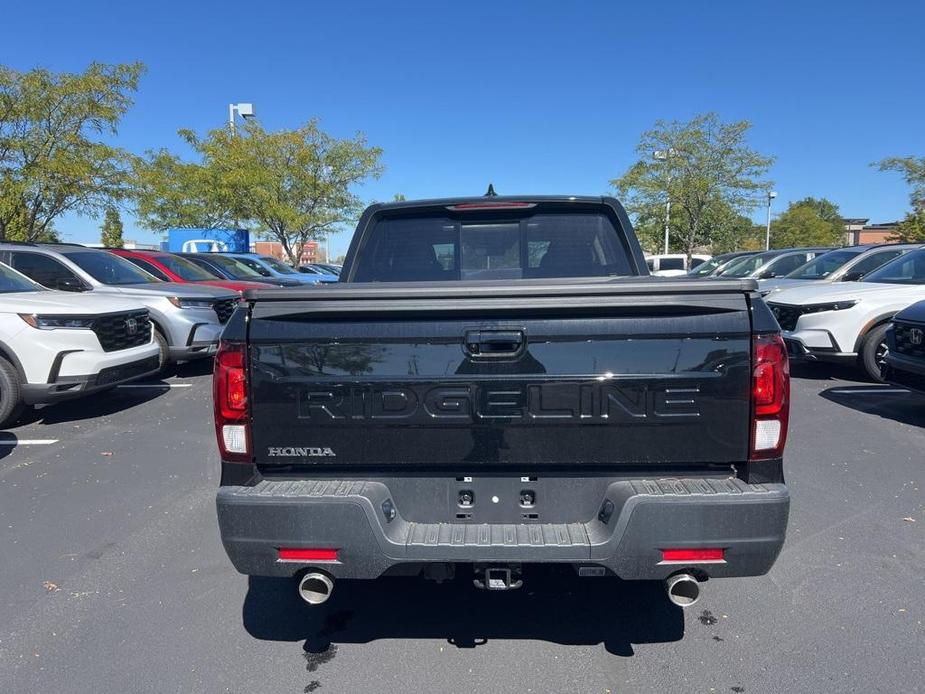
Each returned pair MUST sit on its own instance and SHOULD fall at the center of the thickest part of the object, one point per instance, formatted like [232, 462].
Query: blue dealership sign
[208, 240]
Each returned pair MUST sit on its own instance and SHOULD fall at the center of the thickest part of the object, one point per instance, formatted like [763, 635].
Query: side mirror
[70, 284]
[852, 276]
[766, 275]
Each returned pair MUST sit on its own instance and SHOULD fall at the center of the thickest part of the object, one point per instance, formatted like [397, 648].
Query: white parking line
[27, 442]
[156, 385]
[868, 391]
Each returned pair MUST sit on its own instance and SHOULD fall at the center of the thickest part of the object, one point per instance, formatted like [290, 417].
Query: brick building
[858, 231]
[310, 254]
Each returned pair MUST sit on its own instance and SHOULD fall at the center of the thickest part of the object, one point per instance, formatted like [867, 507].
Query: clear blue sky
[538, 97]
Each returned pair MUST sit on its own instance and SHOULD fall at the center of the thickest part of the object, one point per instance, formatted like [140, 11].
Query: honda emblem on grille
[131, 326]
[916, 336]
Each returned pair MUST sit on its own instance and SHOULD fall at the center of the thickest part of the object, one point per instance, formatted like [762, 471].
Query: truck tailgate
[521, 375]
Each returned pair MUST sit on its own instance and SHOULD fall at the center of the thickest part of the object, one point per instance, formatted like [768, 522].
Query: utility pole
[767, 235]
[663, 155]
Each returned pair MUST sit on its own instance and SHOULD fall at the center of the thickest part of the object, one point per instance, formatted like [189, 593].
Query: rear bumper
[748, 521]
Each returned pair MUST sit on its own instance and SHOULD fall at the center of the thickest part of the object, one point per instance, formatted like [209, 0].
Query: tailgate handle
[494, 343]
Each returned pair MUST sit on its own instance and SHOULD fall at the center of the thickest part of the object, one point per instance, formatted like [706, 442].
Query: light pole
[244, 110]
[767, 235]
[663, 155]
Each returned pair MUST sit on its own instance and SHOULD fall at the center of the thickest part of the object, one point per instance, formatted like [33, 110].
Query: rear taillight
[229, 396]
[770, 396]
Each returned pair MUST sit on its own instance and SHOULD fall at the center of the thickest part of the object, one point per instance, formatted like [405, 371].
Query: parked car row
[848, 321]
[837, 304]
[76, 320]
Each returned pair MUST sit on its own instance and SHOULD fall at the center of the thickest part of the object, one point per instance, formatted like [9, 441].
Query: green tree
[705, 167]
[808, 222]
[294, 186]
[725, 228]
[169, 192]
[912, 170]
[912, 228]
[52, 157]
[399, 197]
[111, 231]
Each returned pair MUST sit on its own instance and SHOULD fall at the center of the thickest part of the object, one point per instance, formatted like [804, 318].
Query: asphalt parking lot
[113, 577]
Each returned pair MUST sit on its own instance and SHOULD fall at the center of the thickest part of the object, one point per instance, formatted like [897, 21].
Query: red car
[172, 268]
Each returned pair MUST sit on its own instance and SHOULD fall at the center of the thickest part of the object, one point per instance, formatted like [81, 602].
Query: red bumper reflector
[712, 554]
[297, 554]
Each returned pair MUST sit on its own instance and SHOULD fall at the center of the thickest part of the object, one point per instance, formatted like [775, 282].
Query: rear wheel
[875, 351]
[11, 404]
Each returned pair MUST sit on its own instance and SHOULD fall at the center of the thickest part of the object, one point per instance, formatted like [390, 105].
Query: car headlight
[190, 303]
[834, 306]
[55, 322]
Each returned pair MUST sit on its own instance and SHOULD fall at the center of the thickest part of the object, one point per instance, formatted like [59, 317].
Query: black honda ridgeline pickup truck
[496, 382]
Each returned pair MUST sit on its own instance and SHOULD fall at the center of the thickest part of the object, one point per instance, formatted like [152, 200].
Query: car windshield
[706, 267]
[258, 268]
[12, 282]
[907, 269]
[236, 269]
[824, 265]
[746, 266]
[184, 269]
[281, 268]
[110, 269]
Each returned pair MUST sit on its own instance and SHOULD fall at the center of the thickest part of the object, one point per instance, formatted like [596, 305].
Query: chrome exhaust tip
[315, 587]
[683, 590]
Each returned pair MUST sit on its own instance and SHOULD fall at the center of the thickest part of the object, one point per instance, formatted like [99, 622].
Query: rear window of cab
[446, 248]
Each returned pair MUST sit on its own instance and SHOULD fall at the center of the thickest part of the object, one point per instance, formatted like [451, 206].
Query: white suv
[188, 319]
[56, 345]
[849, 320]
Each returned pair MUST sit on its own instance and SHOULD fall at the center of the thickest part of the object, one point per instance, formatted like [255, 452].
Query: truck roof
[496, 201]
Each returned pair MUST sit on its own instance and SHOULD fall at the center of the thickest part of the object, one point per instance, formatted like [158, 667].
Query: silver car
[188, 319]
[842, 265]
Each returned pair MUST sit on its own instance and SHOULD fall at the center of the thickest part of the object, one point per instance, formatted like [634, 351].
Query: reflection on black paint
[489, 441]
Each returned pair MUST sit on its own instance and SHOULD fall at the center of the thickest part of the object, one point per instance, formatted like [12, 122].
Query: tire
[164, 348]
[11, 404]
[874, 352]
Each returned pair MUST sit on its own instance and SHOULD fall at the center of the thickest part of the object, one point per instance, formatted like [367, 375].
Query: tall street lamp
[663, 155]
[244, 110]
[767, 235]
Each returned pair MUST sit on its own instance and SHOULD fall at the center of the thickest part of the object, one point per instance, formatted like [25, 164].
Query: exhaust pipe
[683, 590]
[315, 587]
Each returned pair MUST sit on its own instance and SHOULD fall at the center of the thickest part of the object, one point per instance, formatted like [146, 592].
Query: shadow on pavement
[190, 369]
[8, 441]
[100, 404]
[823, 371]
[880, 400]
[554, 605]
